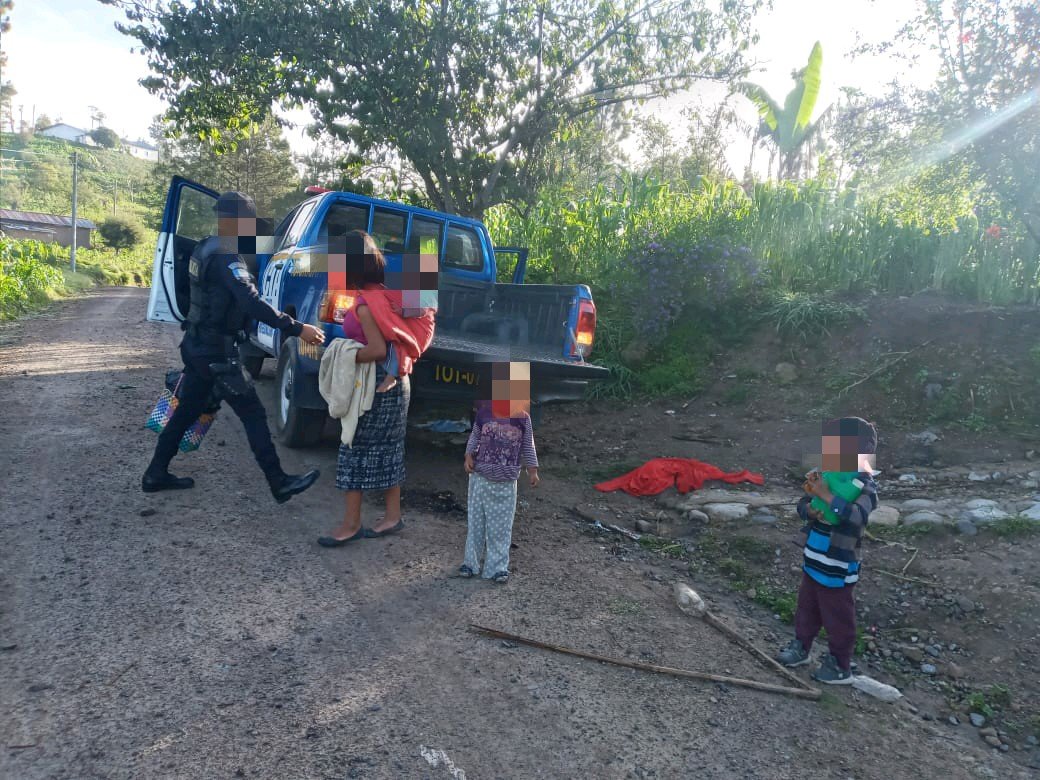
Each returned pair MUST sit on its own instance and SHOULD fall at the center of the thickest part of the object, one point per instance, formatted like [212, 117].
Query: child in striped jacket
[831, 552]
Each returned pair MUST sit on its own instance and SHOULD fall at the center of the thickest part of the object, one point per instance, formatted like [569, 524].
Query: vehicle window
[195, 217]
[462, 249]
[388, 230]
[298, 225]
[341, 218]
[425, 232]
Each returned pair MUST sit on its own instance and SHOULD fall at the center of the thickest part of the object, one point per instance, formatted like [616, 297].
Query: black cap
[235, 204]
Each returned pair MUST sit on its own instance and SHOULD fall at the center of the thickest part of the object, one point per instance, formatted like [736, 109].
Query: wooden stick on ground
[800, 693]
[908, 579]
[883, 367]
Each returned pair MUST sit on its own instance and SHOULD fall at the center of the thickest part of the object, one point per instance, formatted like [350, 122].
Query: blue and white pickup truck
[478, 318]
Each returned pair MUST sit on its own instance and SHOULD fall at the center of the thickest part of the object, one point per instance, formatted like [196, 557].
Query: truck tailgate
[467, 349]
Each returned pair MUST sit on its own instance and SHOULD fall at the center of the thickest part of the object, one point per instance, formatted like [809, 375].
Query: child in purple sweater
[502, 441]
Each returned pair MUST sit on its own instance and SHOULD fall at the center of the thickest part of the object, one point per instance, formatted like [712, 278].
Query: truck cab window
[342, 218]
[423, 232]
[298, 225]
[462, 249]
[388, 229]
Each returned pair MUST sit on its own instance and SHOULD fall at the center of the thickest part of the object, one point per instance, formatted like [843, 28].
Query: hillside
[37, 176]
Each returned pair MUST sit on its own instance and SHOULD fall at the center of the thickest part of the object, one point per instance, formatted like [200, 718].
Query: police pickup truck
[479, 319]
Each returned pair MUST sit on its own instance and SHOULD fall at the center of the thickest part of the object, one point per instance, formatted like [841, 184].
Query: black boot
[285, 486]
[153, 482]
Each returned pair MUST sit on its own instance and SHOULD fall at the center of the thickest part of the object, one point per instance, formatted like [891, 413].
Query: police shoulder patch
[239, 271]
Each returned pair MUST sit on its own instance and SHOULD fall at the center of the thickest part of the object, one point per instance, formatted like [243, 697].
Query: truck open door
[187, 219]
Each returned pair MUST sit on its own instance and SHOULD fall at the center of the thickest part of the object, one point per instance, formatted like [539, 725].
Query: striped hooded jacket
[831, 553]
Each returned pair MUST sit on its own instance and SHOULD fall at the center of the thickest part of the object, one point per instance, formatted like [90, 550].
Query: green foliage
[779, 602]
[26, 281]
[1014, 527]
[990, 700]
[469, 98]
[121, 233]
[667, 547]
[106, 137]
[802, 315]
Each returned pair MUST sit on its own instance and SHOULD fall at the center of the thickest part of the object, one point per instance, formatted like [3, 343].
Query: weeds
[623, 606]
[1014, 527]
[989, 700]
[801, 315]
[667, 547]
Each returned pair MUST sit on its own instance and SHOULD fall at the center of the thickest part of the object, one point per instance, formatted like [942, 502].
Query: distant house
[141, 149]
[68, 133]
[49, 228]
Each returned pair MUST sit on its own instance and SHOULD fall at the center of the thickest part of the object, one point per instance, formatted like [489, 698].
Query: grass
[1014, 527]
[803, 315]
[990, 700]
[668, 547]
[623, 606]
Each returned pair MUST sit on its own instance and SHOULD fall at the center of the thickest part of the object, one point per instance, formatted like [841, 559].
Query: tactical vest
[212, 314]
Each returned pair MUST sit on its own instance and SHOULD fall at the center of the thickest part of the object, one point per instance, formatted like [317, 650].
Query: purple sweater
[501, 447]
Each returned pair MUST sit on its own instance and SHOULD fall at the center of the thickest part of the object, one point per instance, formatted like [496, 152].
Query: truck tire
[296, 427]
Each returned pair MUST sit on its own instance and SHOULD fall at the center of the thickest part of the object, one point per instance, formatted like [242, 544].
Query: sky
[66, 55]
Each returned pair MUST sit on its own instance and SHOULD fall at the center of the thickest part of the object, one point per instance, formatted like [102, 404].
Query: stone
[927, 438]
[928, 668]
[953, 720]
[786, 373]
[993, 741]
[1033, 513]
[915, 654]
[954, 672]
[751, 593]
[908, 479]
[885, 515]
[977, 720]
[923, 516]
[976, 476]
[726, 512]
[765, 518]
[147, 512]
[966, 604]
[1030, 484]
[932, 390]
[989, 731]
[1034, 475]
[976, 503]
[696, 516]
[1032, 740]
[645, 526]
[967, 527]
[986, 514]
[933, 650]
[918, 503]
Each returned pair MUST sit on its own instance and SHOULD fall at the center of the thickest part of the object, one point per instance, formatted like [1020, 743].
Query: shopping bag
[163, 411]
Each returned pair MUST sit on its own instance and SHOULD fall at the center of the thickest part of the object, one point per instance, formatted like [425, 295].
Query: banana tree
[790, 130]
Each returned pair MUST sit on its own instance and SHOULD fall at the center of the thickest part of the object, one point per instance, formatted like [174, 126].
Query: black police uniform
[224, 299]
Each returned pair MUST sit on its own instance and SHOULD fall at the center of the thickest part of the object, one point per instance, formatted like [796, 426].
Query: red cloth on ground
[657, 475]
[411, 335]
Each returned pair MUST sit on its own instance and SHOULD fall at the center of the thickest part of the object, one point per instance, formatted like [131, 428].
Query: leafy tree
[42, 122]
[260, 165]
[105, 137]
[468, 93]
[789, 129]
[987, 98]
[121, 233]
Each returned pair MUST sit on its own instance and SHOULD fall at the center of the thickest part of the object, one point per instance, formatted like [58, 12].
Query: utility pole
[75, 222]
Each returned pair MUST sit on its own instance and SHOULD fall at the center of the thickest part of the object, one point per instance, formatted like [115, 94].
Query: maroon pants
[831, 608]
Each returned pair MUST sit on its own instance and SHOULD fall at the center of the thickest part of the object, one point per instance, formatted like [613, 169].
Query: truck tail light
[335, 305]
[585, 332]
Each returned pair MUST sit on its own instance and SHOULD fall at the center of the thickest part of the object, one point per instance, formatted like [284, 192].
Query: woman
[375, 461]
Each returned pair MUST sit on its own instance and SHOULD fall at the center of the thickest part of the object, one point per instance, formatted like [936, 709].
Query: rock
[1030, 484]
[763, 517]
[1033, 513]
[976, 476]
[696, 516]
[932, 390]
[992, 741]
[986, 514]
[885, 515]
[915, 654]
[967, 527]
[786, 373]
[977, 720]
[933, 650]
[917, 503]
[989, 731]
[976, 503]
[147, 512]
[928, 669]
[908, 479]
[923, 516]
[1032, 740]
[954, 672]
[1034, 475]
[726, 512]
[953, 720]
[966, 604]
[645, 527]
[927, 438]
[751, 593]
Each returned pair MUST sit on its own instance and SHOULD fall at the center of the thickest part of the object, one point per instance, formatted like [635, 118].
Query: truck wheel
[253, 365]
[297, 427]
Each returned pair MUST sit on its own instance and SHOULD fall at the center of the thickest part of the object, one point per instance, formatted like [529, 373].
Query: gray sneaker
[830, 673]
[793, 655]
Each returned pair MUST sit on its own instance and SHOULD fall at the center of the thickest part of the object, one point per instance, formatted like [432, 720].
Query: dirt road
[205, 634]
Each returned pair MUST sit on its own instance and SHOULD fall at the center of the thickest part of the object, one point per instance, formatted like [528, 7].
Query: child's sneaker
[501, 577]
[830, 673]
[793, 655]
[465, 572]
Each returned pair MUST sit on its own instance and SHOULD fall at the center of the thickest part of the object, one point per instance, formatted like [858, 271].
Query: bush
[26, 281]
[121, 233]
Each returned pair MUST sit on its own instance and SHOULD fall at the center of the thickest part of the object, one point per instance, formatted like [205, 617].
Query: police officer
[223, 301]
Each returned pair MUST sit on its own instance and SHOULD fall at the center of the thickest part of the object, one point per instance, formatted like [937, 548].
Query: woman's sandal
[372, 534]
[332, 541]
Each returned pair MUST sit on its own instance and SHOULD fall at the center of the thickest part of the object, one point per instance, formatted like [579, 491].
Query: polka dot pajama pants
[492, 506]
